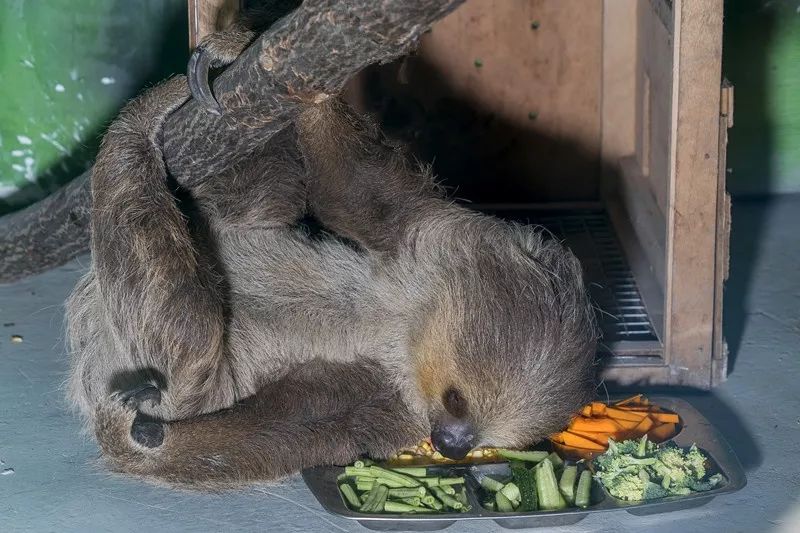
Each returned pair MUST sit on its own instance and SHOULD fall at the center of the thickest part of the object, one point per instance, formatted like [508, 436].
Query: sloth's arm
[161, 299]
[321, 413]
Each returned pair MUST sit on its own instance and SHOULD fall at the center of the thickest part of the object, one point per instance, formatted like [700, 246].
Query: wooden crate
[579, 111]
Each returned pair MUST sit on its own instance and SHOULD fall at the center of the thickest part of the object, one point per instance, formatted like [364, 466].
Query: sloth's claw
[136, 397]
[198, 71]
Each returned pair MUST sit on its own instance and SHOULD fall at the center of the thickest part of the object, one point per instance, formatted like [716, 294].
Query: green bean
[383, 473]
[398, 507]
[350, 495]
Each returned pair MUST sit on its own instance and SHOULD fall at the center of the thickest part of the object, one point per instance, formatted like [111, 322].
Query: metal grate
[622, 315]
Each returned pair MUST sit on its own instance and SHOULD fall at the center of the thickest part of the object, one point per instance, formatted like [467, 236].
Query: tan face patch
[434, 358]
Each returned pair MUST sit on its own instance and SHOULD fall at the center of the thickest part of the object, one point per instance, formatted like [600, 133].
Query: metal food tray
[696, 429]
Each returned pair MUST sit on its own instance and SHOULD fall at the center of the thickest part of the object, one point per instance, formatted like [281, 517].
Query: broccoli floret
[702, 486]
[627, 486]
[696, 462]
[626, 447]
[633, 486]
[653, 491]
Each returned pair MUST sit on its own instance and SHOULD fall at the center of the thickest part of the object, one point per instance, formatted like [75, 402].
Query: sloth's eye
[454, 402]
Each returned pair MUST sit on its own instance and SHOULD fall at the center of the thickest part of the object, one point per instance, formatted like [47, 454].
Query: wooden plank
[654, 99]
[618, 94]
[719, 368]
[507, 111]
[208, 16]
[692, 222]
[649, 223]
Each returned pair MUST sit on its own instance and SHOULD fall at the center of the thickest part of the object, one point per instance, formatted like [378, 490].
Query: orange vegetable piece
[671, 418]
[619, 414]
[628, 424]
[662, 432]
[597, 409]
[644, 426]
[557, 438]
[597, 425]
[587, 410]
[599, 438]
[639, 399]
[578, 441]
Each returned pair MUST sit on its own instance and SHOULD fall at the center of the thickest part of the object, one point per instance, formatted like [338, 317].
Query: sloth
[219, 339]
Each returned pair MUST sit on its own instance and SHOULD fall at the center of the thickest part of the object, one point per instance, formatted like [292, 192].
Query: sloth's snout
[453, 437]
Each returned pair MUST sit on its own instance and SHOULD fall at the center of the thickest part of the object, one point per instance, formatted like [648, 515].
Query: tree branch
[305, 57]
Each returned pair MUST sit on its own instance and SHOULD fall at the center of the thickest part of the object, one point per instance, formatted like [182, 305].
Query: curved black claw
[136, 397]
[198, 70]
[148, 433]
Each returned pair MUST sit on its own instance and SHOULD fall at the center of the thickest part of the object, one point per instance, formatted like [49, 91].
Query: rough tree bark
[305, 57]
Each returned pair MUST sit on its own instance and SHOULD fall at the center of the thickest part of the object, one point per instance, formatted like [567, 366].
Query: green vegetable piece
[447, 499]
[461, 496]
[547, 487]
[363, 463]
[583, 493]
[365, 486]
[556, 461]
[526, 481]
[567, 483]
[485, 481]
[415, 501]
[383, 473]
[641, 451]
[407, 492]
[528, 456]
[511, 491]
[375, 499]
[399, 507]
[354, 471]
[350, 496]
[503, 504]
[429, 500]
[414, 471]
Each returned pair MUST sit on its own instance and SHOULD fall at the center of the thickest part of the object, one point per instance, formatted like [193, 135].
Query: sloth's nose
[453, 438]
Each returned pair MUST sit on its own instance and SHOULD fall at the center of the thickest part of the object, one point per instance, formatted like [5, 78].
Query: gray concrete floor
[56, 484]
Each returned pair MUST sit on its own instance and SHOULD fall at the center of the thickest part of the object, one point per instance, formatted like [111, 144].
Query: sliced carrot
[573, 439]
[644, 426]
[627, 424]
[599, 438]
[572, 452]
[639, 399]
[619, 414]
[598, 425]
[638, 408]
[671, 418]
[662, 432]
[557, 438]
[587, 410]
[598, 408]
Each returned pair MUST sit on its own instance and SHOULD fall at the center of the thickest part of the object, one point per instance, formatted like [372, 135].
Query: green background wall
[68, 65]
[761, 57]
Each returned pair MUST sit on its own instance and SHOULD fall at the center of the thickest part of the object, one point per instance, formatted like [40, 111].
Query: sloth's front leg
[321, 413]
[360, 185]
[221, 48]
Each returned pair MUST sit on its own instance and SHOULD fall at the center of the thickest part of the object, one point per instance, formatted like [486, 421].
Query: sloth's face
[506, 357]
